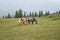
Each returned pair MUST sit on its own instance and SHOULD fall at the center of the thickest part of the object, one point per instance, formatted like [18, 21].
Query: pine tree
[35, 14]
[24, 14]
[20, 14]
[39, 14]
[47, 13]
[59, 12]
[30, 15]
[3, 16]
[9, 16]
[16, 14]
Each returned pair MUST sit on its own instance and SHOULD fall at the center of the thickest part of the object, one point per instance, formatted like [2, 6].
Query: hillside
[55, 16]
[46, 29]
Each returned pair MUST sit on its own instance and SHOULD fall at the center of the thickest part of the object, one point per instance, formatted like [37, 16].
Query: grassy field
[46, 29]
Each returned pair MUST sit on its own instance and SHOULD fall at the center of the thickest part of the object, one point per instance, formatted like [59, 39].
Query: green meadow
[46, 29]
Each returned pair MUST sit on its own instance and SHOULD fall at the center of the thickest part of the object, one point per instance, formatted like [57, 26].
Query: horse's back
[22, 20]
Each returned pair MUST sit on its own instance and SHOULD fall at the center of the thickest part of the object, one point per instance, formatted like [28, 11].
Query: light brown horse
[22, 20]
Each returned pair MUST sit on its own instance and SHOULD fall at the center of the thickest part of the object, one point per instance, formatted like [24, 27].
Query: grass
[46, 29]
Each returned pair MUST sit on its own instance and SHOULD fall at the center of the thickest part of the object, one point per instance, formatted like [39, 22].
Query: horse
[22, 20]
[27, 20]
[32, 19]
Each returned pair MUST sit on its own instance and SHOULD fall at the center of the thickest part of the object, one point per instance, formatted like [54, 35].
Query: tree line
[20, 13]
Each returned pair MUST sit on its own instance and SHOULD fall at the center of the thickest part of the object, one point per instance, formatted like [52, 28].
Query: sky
[10, 6]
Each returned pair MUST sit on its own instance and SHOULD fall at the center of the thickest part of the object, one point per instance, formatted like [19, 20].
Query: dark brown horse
[32, 19]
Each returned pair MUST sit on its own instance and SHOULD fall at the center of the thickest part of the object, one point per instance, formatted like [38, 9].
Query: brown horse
[32, 19]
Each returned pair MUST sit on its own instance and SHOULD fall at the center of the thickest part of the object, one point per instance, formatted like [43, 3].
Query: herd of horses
[27, 20]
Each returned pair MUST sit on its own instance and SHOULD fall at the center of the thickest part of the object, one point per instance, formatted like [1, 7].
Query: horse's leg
[36, 21]
[29, 22]
[23, 22]
[32, 22]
